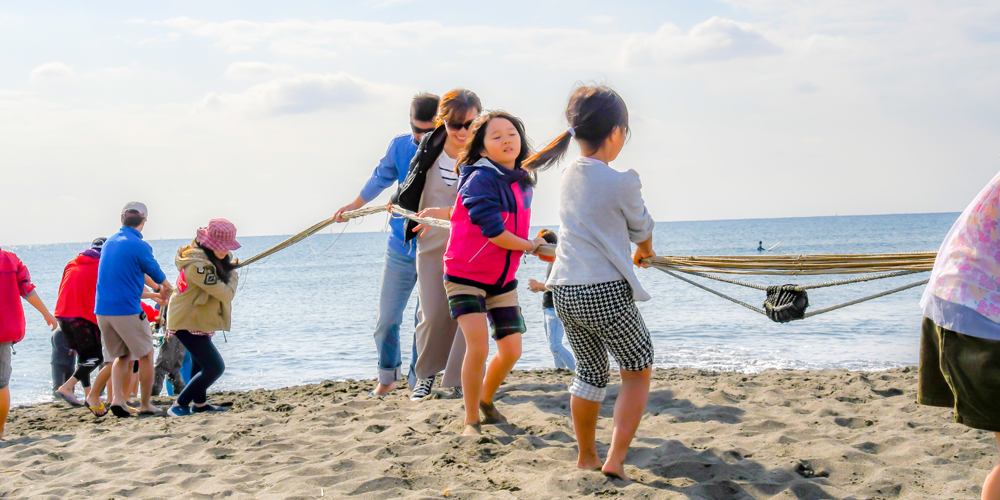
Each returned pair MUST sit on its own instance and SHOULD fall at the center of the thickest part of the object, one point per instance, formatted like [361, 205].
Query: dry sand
[777, 434]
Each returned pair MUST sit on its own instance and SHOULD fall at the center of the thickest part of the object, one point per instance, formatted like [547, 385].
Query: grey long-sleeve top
[600, 212]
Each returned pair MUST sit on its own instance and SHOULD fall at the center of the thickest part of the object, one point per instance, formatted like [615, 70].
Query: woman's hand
[535, 285]
[643, 250]
[443, 213]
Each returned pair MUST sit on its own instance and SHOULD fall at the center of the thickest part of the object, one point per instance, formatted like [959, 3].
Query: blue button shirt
[121, 274]
[391, 169]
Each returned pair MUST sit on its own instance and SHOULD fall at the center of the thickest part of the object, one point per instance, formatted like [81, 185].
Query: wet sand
[778, 434]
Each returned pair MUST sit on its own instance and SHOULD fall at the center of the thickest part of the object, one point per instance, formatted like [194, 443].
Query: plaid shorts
[600, 318]
[502, 311]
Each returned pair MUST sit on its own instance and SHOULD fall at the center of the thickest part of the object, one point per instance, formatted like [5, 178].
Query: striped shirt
[446, 166]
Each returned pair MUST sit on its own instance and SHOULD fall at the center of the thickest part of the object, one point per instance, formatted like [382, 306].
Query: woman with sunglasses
[432, 182]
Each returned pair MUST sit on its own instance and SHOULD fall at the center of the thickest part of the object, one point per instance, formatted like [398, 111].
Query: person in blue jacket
[126, 266]
[400, 273]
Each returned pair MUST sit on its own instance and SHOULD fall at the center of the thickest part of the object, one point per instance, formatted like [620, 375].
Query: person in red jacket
[15, 283]
[75, 312]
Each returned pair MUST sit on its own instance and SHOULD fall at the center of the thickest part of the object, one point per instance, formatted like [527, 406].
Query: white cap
[134, 206]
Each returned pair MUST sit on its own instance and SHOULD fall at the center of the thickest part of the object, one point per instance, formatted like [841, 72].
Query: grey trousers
[440, 343]
[168, 364]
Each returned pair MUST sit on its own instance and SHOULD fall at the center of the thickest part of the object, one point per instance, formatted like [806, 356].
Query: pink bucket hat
[220, 235]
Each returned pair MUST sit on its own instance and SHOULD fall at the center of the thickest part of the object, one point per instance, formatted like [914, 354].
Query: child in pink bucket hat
[220, 236]
[202, 304]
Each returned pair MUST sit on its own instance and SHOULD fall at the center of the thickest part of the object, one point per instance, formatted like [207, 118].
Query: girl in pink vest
[489, 230]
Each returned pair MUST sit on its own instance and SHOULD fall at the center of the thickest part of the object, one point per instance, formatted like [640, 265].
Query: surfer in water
[760, 246]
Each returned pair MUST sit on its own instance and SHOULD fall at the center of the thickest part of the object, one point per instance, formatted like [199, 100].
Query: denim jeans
[206, 367]
[554, 332]
[398, 279]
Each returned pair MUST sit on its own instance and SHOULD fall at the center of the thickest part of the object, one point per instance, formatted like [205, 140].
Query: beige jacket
[201, 301]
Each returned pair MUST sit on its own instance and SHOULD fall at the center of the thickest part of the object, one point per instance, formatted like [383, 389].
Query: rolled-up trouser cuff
[388, 376]
[586, 391]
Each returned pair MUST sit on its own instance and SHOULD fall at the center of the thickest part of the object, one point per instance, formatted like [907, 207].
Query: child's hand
[536, 286]
[51, 321]
[443, 213]
[643, 252]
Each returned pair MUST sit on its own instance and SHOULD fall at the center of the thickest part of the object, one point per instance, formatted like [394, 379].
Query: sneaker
[422, 389]
[207, 409]
[179, 411]
[456, 393]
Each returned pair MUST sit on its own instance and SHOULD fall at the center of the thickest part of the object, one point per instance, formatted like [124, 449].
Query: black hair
[594, 112]
[474, 150]
[223, 267]
[132, 218]
[549, 236]
[424, 107]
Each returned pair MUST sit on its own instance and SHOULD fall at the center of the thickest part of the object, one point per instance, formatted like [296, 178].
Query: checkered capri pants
[599, 318]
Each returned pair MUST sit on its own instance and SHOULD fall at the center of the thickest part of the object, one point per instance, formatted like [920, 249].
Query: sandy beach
[777, 434]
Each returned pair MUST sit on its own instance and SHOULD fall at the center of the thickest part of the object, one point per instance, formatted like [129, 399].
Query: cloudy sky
[273, 114]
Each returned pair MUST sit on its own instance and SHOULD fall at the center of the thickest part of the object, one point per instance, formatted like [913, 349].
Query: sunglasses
[418, 130]
[459, 126]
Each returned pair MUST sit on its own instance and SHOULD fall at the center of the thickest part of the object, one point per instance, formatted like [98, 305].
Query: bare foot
[589, 463]
[382, 389]
[473, 430]
[491, 414]
[148, 409]
[615, 471]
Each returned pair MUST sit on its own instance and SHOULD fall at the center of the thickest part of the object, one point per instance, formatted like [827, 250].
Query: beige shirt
[436, 194]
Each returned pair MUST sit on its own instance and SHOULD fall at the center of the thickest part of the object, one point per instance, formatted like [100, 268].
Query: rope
[353, 214]
[800, 287]
[865, 299]
[720, 294]
[798, 264]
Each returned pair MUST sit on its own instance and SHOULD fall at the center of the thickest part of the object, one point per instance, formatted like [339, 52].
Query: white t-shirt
[446, 167]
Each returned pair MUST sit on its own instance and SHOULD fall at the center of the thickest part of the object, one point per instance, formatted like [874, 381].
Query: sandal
[98, 411]
[70, 400]
[120, 411]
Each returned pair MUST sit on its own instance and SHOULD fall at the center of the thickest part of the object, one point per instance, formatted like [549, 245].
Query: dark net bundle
[784, 303]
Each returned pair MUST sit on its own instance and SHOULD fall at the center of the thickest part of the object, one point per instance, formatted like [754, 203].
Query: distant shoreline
[14, 248]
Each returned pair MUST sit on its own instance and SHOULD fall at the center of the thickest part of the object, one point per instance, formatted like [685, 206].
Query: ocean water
[307, 314]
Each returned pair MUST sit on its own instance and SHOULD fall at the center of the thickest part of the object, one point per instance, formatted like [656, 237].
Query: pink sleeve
[24, 280]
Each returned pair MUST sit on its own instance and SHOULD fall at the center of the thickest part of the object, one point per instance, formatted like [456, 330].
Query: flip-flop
[120, 411]
[380, 396]
[147, 413]
[95, 409]
[70, 400]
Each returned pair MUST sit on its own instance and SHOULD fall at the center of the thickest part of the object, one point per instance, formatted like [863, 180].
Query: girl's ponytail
[549, 155]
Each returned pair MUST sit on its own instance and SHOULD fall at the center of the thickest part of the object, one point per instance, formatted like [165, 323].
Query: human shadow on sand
[668, 464]
[553, 398]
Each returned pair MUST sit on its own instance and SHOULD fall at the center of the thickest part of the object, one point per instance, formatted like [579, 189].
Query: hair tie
[572, 132]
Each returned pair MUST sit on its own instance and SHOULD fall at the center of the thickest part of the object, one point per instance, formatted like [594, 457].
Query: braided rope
[865, 299]
[353, 214]
[755, 286]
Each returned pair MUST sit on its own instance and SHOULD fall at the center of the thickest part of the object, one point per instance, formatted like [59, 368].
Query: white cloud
[599, 19]
[717, 39]
[299, 94]
[255, 70]
[341, 38]
[53, 71]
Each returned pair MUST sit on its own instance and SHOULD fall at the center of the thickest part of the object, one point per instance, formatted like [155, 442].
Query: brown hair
[456, 104]
[593, 112]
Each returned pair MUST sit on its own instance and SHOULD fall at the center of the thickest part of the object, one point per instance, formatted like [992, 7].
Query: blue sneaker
[208, 409]
[179, 411]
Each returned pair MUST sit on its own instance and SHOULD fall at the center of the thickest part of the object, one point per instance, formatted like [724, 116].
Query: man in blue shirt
[126, 266]
[400, 273]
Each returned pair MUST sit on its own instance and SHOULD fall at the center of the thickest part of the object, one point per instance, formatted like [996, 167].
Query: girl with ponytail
[593, 285]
